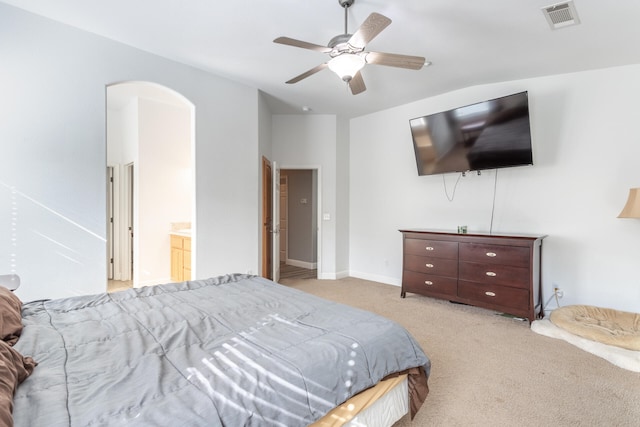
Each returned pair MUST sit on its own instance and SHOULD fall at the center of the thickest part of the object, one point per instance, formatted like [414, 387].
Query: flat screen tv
[488, 135]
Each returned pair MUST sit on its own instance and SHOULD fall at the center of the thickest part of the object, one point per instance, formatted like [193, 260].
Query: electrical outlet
[559, 293]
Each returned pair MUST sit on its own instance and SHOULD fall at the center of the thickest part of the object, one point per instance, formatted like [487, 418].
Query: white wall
[309, 141]
[342, 198]
[122, 149]
[586, 149]
[265, 150]
[52, 135]
[53, 189]
[165, 195]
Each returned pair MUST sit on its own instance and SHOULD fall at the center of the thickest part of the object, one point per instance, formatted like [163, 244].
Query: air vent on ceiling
[561, 15]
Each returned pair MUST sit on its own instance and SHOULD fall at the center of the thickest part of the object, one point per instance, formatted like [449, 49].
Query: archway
[150, 159]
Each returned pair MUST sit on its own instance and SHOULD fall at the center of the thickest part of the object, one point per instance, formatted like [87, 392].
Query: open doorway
[150, 155]
[299, 225]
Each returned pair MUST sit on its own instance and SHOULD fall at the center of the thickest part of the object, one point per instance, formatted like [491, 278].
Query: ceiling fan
[347, 52]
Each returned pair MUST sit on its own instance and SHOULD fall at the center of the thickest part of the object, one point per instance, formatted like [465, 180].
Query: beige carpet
[489, 370]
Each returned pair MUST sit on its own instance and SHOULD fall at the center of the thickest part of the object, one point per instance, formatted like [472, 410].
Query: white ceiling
[470, 42]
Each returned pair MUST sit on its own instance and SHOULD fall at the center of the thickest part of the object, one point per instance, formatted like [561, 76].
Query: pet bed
[605, 325]
[594, 330]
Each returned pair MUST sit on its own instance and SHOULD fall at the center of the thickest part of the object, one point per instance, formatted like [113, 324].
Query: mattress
[378, 406]
[385, 410]
[232, 350]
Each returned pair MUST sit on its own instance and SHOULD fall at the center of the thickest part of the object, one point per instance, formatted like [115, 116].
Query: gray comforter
[229, 351]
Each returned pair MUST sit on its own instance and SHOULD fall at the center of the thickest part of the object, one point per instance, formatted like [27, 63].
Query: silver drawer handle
[429, 265]
[492, 254]
[490, 294]
[429, 248]
[490, 274]
[428, 282]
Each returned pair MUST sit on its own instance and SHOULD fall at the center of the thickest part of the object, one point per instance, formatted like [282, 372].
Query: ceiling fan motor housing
[338, 40]
[340, 44]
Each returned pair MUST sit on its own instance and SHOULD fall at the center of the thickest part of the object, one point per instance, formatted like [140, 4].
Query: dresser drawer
[431, 248]
[426, 284]
[433, 266]
[494, 274]
[492, 295]
[495, 254]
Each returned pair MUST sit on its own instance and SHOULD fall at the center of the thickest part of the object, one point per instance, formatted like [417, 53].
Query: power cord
[493, 205]
[557, 294]
[444, 184]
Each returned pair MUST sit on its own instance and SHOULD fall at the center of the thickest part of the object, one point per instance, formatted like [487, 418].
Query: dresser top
[476, 234]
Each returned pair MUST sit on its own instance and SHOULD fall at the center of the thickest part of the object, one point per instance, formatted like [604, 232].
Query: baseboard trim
[333, 276]
[342, 274]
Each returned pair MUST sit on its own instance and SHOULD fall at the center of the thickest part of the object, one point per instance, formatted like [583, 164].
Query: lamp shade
[632, 208]
[346, 65]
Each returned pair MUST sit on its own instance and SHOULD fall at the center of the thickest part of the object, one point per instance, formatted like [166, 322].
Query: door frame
[110, 223]
[284, 248]
[318, 170]
[267, 247]
[275, 219]
[265, 221]
[128, 210]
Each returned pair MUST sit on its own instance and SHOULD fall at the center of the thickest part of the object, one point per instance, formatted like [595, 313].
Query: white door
[275, 229]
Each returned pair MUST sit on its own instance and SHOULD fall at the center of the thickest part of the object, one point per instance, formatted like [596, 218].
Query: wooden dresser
[498, 272]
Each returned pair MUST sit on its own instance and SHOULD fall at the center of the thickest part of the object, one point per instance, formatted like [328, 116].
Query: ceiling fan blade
[307, 73]
[299, 43]
[356, 84]
[370, 28]
[395, 60]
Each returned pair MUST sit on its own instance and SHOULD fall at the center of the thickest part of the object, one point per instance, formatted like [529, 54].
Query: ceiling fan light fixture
[346, 65]
[348, 55]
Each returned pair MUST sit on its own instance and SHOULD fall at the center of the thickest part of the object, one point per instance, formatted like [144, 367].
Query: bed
[234, 350]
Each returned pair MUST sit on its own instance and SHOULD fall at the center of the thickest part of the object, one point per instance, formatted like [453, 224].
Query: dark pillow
[10, 316]
[14, 368]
